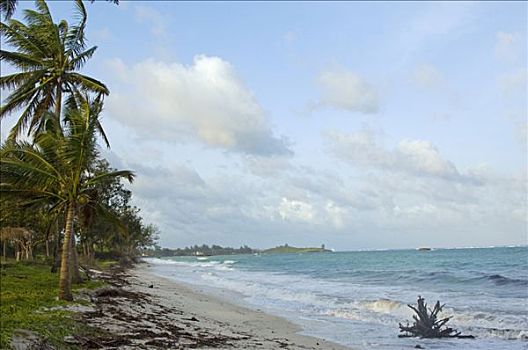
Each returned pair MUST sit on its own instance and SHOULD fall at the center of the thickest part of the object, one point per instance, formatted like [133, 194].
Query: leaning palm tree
[48, 57]
[55, 170]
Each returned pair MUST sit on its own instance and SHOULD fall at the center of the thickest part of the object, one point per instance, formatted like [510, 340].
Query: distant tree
[123, 233]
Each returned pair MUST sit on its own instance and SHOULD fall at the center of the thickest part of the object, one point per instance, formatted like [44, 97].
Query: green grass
[106, 263]
[27, 291]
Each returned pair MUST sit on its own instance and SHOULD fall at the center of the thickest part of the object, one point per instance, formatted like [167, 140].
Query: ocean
[358, 298]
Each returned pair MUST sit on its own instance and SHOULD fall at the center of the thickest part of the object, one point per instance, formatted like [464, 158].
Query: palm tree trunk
[65, 277]
[58, 102]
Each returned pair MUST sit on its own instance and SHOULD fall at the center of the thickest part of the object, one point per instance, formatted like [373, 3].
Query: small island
[285, 249]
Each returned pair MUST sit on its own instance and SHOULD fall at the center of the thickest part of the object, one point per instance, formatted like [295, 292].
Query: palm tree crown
[48, 57]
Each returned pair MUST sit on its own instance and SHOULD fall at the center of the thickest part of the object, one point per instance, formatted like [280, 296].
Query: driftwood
[427, 325]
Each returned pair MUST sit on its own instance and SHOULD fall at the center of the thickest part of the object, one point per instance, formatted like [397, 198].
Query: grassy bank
[28, 300]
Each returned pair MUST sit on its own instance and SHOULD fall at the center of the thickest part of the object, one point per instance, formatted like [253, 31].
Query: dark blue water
[358, 298]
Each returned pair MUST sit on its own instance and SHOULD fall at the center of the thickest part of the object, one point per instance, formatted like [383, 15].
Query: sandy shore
[144, 311]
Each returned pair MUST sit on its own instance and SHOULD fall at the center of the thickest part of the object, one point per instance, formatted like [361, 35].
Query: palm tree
[55, 170]
[48, 57]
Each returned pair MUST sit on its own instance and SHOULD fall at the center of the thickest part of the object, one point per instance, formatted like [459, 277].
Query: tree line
[58, 196]
[204, 249]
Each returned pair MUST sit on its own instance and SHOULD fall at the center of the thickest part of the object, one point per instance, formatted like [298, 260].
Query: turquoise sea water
[358, 298]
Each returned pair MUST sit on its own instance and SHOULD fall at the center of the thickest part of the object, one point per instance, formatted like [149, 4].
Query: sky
[358, 125]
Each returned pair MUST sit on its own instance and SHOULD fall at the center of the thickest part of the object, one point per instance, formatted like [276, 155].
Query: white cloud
[514, 83]
[204, 101]
[422, 157]
[157, 22]
[290, 37]
[506, 46]
[428, 76]
[272, 166]
[343, 89]
[310, 205]
[102, 34]
[415, 210]
[522, 134]
[296, 210]
[336, 214]
[519, 120]
[441, 18]
[437, 19]
[416, 157]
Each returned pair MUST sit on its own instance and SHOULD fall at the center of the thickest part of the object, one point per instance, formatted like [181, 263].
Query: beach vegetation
[55, 187]
[29, 301]
[97, 232]
[55, 170]
[61, 203]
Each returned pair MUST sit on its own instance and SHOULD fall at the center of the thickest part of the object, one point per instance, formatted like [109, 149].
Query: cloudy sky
[358, 125]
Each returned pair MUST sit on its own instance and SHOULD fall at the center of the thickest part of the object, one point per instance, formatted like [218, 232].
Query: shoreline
[143, 310]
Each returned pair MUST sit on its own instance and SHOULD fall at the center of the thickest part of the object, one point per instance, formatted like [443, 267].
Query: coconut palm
[55, 170]
[48, 57]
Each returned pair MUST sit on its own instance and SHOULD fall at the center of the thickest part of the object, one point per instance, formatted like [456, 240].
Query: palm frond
[42, 15]
[111, 217]
[18, 35]
[16, 80]
[80, 59]
[25, 156]
[75, 40]
[25, 95]
[21, 60]
[126, 174]
[7, 8]
[88, 84]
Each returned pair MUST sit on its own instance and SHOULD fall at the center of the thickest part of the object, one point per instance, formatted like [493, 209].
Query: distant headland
[286, 249]
[206, 250]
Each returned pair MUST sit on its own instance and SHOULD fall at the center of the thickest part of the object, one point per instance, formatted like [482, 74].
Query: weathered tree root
[426, 324]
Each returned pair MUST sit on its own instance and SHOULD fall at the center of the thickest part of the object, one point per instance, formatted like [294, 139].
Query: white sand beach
[154, 312]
